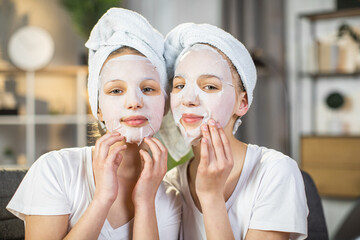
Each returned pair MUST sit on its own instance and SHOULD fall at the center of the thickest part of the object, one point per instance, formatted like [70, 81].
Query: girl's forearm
[145, 223]
[216, 219]
[91, 222]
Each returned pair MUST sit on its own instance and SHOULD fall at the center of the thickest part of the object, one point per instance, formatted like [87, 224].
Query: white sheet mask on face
[201, 60]
[132, 70]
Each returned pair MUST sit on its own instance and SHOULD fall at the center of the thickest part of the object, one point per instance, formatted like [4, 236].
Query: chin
[191, 127]
[196, 141]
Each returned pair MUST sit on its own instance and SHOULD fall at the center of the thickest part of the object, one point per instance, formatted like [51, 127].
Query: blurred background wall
[48, 14]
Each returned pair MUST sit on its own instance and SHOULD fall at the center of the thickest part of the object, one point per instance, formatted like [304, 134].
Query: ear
[242, 105]
[99, 115]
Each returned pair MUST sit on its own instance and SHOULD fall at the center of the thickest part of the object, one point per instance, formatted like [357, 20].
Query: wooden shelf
[12, 120]
[332, 14]
[73, 70]
[334, 164]
[330, 136]
[47, 119]
[329, 74]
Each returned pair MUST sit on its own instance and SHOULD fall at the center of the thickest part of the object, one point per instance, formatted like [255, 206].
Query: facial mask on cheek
[131, 69]
[191, 136]
[218, 106]
[198, 61]
[134, 134]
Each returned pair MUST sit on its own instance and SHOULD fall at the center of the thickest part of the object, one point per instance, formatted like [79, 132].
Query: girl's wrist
[148, 205]
[211, 200]
[142, 199]
[102, 202]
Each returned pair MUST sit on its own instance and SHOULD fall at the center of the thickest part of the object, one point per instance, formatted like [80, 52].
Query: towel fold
[185, 35]
[120, 27]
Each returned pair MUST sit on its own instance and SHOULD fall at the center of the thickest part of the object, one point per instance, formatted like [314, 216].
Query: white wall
[166, 14]
[335, 209]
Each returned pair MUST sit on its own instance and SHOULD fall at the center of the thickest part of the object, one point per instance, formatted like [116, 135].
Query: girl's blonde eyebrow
[215, 76]
[179, 76]
[201, 76]
[116, 80]
[211, 76]
[148, 78]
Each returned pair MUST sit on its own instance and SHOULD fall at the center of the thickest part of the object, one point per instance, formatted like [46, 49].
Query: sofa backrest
[10, 226]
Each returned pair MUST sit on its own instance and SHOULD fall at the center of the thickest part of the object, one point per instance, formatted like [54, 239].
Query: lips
[191, 118]
[135, 121]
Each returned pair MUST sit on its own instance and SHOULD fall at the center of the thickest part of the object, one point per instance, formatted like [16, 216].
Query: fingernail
[204, 128]
[218, 125]
[204, 140]
[212, 122]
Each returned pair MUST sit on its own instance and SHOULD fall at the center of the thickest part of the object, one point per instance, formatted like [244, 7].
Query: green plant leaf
[86, 13]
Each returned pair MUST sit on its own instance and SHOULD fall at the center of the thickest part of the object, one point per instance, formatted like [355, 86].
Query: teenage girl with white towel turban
[113, 190]
[230, 190]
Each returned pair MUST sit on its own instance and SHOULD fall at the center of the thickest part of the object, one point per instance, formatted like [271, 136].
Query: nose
[133, 100]
[190, 98]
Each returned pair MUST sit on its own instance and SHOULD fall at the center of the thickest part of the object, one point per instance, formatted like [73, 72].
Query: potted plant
[9, 156]
[85, 14]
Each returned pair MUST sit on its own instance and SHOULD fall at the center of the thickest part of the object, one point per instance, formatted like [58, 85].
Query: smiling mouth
[135, 121]
[191, 118]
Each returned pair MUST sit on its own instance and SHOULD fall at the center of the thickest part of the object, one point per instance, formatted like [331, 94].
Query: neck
[131, 164]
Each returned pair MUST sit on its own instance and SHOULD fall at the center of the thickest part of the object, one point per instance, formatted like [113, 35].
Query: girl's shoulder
[266, 156]
[52, 184]
[62, 165]
[268, 161]
[63, 159]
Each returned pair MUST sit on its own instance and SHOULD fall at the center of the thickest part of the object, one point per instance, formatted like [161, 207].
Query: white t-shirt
[62, 182]
[269, 195]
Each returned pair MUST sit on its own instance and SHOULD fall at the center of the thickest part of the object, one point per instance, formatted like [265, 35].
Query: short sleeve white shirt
[269, 195]
[62, 182]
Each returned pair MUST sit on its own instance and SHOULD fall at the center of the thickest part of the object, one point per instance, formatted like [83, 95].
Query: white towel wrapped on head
[185, 35]
[117, 28]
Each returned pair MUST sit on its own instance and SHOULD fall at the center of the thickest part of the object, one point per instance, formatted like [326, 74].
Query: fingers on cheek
[118, 159]
[146, 158]
[119, 156]
[204, 152]
[205, 131]
[160, 145]
[148, 168]
[153, 147]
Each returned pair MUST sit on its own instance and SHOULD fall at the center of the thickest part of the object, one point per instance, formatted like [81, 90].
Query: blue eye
[116, 91]
[148, 89]
[210, 87]
[179, 86]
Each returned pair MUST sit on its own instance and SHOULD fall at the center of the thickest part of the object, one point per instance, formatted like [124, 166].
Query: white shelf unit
[311, 28]
[30, 120]
[327, 157]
